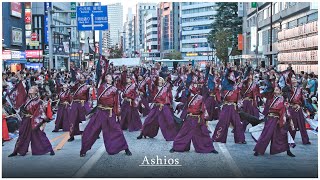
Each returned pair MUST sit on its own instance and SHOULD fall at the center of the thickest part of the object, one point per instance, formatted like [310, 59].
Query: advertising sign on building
[17, 55]
[6, 54]
[253, 38]
[240, 42]
[28, 16]
[34, 43]
[34, 36]
[16, 9]
[16, 36]
[34, 54]
[46, 29]
[66, 46]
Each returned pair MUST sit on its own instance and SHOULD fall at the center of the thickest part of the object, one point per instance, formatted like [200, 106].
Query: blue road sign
[92, 18]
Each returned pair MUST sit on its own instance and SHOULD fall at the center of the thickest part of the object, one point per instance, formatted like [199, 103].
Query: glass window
[292, 24]
[302, 20]
[265, 14]
[313, 17]
[276, 7]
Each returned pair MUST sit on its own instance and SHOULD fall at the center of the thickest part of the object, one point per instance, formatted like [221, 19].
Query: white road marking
[228, 158]
[89, 164]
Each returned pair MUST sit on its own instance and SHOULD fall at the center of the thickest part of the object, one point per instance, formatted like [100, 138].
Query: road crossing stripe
[58, 137]
[61, 144]
[89, 164]
[229, 160]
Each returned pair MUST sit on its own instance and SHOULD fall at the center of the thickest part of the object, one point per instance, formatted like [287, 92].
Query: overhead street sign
[92, 18]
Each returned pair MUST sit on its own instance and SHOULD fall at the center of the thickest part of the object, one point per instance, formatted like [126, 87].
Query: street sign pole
[94, 37]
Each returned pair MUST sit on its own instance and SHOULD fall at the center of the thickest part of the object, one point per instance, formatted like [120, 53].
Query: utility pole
[270, 63]
[50, 38]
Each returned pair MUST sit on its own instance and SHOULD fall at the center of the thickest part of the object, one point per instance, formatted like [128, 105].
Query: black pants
[13, 124]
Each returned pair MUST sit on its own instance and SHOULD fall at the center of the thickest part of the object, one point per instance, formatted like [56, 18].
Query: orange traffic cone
[94, 97]
[49, 110]
[5, 132]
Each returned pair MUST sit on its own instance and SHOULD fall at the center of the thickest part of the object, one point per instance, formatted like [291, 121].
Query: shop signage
[6, 54]
[16, 9]
[34, 54]
[16, 36]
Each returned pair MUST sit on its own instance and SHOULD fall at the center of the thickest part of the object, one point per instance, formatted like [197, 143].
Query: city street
[233, 160]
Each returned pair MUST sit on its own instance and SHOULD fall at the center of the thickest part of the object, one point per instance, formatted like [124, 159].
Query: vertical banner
[253, 38]
[28, 21]
[46, 29]
[240, 42]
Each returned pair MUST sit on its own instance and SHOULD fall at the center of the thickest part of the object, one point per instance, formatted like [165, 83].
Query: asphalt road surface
[233, 160]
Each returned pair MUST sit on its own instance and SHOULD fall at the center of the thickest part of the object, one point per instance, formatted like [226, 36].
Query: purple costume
[62, 120]
[130, 118]
[161, 116]
[194, 128]
[274, 129]
[29, 130]
[79, 108]
[105, 119]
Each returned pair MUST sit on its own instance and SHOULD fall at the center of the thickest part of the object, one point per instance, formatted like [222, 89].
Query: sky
[127, 4]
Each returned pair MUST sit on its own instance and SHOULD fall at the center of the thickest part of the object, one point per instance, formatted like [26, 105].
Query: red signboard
[6, 54]
[240, 42]
[28, 16]
[34, 36]
[33, 54]
[16, 9]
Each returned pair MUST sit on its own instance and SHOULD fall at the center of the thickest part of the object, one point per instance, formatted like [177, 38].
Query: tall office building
[142, 10]
[129, 33]
[169, 17]
[151, 35]
[115, 18]
[196, 20]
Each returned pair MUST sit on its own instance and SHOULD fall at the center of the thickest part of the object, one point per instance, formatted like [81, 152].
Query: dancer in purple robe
[275, 129]
[194, 127]
[62, 120]
[79, 106]
[229, 112]
[250, 93]
[296, 114]
[31, 129]
[211, 101]
[161, 114]
[104, 119]
[130, 118]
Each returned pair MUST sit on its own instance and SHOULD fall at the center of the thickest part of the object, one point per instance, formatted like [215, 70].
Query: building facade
[115, 18]
[286, 17]
[14, 35]
[151, 35]
[129, 34]
[195, 25]
[142, 10]
[169, 24]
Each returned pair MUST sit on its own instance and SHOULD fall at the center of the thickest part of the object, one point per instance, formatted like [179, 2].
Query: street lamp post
[80, 55]
[270, 63]
[70, 45]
